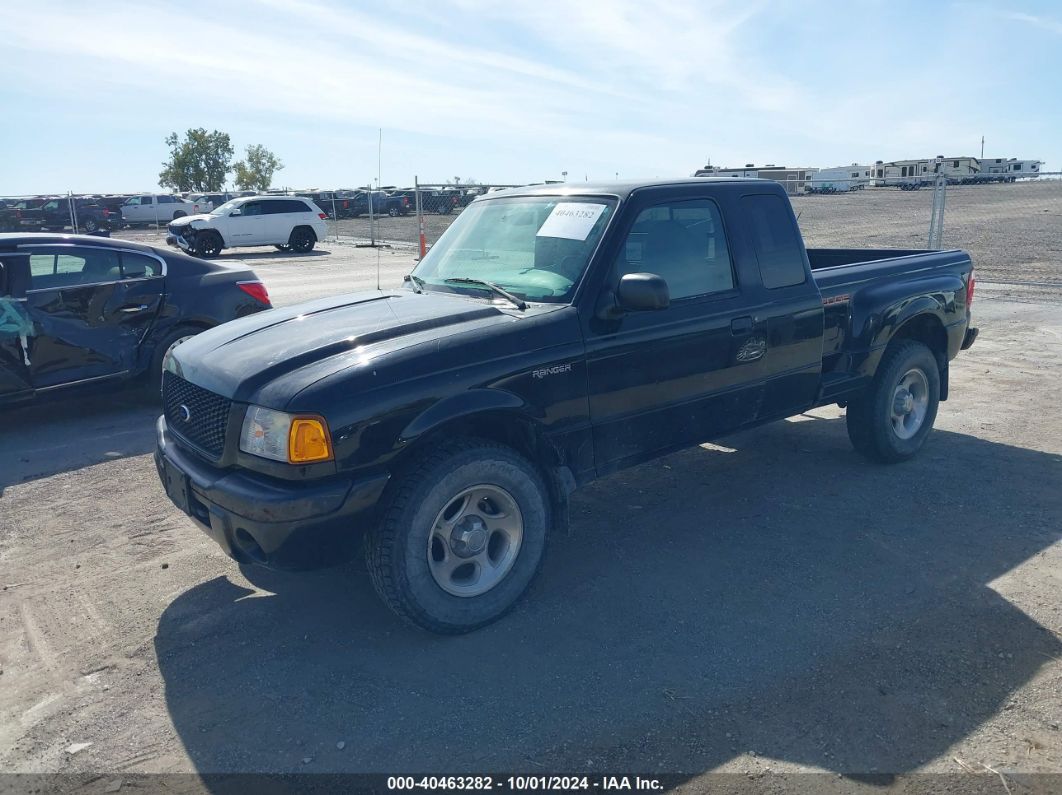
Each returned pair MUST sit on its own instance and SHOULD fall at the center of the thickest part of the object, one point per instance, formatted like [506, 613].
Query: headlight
[293, 439]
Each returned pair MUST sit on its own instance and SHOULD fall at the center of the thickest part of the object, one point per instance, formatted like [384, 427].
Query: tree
[255, 172]
[199, 162]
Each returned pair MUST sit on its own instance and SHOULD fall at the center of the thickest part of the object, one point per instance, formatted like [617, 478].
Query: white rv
[1003, 169]
[839, 179]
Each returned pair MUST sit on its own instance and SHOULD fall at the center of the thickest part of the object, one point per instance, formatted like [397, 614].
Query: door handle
[741, 325]
[140, 308]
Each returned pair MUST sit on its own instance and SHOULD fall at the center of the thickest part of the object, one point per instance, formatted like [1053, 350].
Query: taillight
[970, 289]
[322, 216]
[256, 290]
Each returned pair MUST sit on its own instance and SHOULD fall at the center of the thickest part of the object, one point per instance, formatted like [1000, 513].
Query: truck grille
[195, 414]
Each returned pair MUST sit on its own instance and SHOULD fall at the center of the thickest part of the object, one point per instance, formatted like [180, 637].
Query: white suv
[287, 222]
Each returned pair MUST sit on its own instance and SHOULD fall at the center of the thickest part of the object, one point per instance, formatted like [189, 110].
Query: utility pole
[982, 147]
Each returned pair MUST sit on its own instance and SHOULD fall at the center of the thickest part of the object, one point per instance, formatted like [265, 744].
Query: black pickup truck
[551, 336]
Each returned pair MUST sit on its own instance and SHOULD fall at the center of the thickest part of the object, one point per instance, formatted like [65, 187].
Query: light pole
[564, 176]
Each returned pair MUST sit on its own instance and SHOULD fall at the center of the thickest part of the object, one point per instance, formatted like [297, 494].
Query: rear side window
[69, 267]
[774, 240]
[139, 266]
[286, 206]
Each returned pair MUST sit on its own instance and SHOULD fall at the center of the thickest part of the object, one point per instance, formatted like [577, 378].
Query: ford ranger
[554, 334]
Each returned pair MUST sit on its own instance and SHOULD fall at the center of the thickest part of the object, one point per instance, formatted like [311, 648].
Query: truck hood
[269, 357]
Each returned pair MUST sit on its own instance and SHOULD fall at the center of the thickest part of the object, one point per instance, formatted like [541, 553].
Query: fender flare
[466, 404]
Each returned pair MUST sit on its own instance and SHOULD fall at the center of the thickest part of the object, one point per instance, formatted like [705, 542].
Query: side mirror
[642, 291]
[235, 212]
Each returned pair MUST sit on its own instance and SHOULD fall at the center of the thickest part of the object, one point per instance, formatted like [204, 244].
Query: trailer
[839, 179]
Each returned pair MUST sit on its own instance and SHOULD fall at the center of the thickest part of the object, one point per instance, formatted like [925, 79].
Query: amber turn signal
[308, 441]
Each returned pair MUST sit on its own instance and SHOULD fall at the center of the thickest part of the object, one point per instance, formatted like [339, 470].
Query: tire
[92, 226]
[891, 421]
[172, 338]
[394, 212]
[417, 565]
[302, 240]
[208, 245]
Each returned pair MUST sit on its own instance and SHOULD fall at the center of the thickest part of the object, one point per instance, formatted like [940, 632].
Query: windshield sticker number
[571, 220]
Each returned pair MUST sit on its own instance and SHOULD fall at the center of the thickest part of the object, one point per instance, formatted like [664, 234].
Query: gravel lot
[765, 605]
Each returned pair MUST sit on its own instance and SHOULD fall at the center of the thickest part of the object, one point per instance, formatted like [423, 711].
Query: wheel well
[523, 436]
[928, 330]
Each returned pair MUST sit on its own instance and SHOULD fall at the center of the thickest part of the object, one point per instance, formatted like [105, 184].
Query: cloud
[1044, 23]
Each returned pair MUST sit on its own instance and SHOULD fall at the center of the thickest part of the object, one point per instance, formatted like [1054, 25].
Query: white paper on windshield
[571, 220]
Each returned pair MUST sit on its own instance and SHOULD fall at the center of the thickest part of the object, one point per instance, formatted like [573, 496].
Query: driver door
[249, 227]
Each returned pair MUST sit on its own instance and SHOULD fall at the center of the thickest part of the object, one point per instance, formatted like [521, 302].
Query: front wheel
[208, 244]
[461, 537]
[891, 421]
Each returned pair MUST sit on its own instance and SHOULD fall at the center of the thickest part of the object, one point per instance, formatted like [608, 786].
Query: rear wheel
[91, 225]
[302, 240]
[892, 420]
[208, 244]
[394, 212]
[461, 537]
[171, 340]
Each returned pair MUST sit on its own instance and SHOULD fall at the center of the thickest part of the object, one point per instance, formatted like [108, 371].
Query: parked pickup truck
[91, 213]
[553, 334]
[158, 208]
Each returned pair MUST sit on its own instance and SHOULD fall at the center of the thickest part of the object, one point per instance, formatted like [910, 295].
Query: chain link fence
[1013, 230]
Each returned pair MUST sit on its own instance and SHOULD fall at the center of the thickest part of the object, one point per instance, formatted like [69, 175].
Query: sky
[507, 91]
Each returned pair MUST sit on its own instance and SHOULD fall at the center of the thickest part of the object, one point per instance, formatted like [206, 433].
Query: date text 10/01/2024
[524, 783]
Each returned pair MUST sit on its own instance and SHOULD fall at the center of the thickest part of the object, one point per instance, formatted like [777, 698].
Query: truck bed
[851, 281]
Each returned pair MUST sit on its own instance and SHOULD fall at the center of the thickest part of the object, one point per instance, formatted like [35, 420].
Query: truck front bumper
[969, 338]
[258, 519]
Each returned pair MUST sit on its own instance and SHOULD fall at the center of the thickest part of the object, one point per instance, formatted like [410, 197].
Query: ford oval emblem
[185, 412]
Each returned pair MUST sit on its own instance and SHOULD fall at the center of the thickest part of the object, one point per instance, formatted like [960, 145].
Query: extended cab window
[69, 267]
[684, 243]
[774, 240]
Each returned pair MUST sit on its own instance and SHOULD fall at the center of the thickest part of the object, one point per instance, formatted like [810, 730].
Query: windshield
[536, 247]
[232, 204]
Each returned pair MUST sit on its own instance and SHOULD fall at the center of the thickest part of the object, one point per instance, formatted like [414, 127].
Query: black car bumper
[969, 338]
[263, 520]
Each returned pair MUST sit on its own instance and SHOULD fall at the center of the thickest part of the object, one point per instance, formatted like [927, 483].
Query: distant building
[794, 179]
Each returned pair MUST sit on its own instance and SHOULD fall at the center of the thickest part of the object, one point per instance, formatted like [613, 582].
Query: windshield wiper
[416, 281]
[519, 303]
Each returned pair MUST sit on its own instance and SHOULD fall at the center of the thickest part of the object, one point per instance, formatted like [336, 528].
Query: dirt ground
[769, 604]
